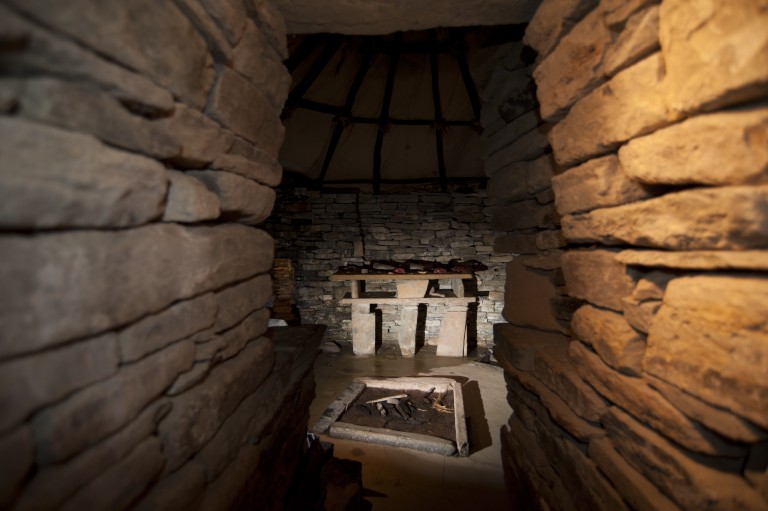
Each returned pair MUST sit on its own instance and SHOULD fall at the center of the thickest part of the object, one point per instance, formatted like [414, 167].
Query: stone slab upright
[406, 338]
[452, 340]
[363, 330]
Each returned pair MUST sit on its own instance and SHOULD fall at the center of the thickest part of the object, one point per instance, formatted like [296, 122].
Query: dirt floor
[426, 413]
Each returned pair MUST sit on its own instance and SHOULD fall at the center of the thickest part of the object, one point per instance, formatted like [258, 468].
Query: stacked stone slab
[322, 231]
[656, 396]
[139, 145]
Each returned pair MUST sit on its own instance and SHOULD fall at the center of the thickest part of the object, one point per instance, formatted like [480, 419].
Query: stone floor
[404, 479]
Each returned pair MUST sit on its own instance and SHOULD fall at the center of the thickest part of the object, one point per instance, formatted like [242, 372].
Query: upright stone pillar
[452, 340]
[363, 330]
[407, 336]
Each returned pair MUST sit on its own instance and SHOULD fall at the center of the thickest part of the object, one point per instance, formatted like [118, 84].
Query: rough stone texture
[528, 298]
[230, 15]
[259, 124]
[120, 32]
[240, 199]
[692, 481]
[363, 330]
[725, 148]
[616, 13]
[635, 396]
[573, 68]
[617, 343]
[86, 417]
[200, 138]
[180, 490]
[640, 315]
[71, 285]
[597, 183]
[528, 147]
[17, 450]
[198, 413]
[119, 486]
[520, 180]
[547, 240]
[718, 420]
[236, 338]
[52, 485]
[157, 331]
[640, 493]
[56, 178]
[651, 286]
[214, 36]
[523, 215]
[86, 108]
[238, 301]
[258, 167]
[45, 52]
[709, 339]
[706, 69]
[188, 200]
[271, 23]
[497, 140]
[737, 218]
[595, 276]
[697, 260]
[452, 341]
[255, 59]
[638, 39]
[362, 17]
[630, 104]
[553, 19]
[518, 346]
[554, 368]
[28, 384]
[545, 260]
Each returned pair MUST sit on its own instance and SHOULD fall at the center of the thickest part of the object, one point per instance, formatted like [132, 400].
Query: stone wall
[138, 151]
[321, 231]
[655, 397]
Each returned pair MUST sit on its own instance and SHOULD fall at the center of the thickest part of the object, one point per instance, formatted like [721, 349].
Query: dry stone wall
[138, 149]
[321, 231]
[654, 396]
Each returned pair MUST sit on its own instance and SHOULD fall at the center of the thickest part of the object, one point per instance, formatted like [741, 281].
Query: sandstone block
[182, 489]
[652, 285]
[56, 178]
[363, 330]
[572, 69]
[617, 343]
[157, 331]
[29, 383]
[692, 481]
[198, 413]
[188, 200]
[201, 139]
[271, 23]
[17, 450]
[518, 346]
[516, 243]
[452, 341]
[259, 167]
[705, 70]
[230, 15]
[505, 84]
[259, 123]
[560, 413]
[64, 286]
[552, 20]
[236, 338]
[528, 147]
[553, 367]
[638, 39]
[240, 199]
[546, 240]
[697, 260]
[238, 301]
[523, 215]
[638, 491]
[86, 108]
[119, 486]
[595, 184]
[616, 13]
[595, 276]
[120, 32]
[736, 219]
[547, 260]
[46, 52]
[726, 148]
[710, 339]
[52, 485]
[522, 179]
[255, 59]
[640, 315]
[214, 36]
[629, 105]
[497, 140]
[93, 413]
[718, 420]
[195, 375]
[635, 396]
[528, 298]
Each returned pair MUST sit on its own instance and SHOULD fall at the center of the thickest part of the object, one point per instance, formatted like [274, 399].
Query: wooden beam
[384, 117]
[317, 67]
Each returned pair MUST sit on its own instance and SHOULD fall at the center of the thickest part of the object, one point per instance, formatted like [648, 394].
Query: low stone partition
[139, 143]
[653, 396]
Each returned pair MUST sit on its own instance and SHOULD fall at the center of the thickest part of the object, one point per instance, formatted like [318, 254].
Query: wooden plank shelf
[399, 276]
[390, 298]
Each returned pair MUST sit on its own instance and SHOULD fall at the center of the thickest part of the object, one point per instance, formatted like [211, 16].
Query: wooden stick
[385, 398]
